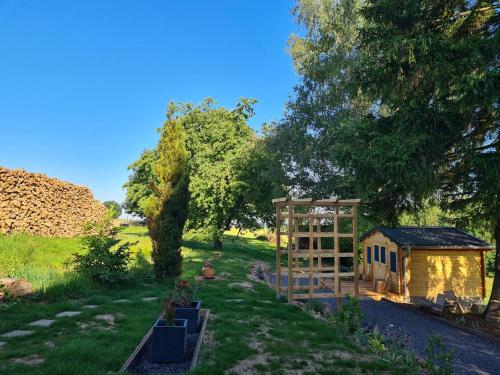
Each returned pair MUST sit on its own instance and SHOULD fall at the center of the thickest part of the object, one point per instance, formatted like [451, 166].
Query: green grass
[258, 334]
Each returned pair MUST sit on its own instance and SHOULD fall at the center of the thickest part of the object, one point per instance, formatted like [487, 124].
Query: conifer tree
[167, 209]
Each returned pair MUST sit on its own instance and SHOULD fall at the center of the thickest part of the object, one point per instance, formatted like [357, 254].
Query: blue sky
[84, 84]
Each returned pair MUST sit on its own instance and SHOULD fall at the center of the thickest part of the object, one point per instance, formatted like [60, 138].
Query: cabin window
[369, 255]
[376, 254]
[382, 255]
[393, 262]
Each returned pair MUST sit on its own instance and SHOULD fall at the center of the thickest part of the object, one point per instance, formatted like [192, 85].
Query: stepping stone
[32, 360]
[234, 300]
[17, 333]
[42, 323]
[68, 314]
[149, 299]
[50, 344]
[109, 318]
[122, 301]
[90, 307]
[2, 343]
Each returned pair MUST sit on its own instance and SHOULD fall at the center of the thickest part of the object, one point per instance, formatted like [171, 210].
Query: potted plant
[208, 270]
[185, 305]
[169, 336]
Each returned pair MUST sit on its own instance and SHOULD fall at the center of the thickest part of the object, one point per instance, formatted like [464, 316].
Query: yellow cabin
[422, 262]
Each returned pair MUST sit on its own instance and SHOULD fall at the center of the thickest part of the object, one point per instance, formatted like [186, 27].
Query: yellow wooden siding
[379, 239]
[430, 272]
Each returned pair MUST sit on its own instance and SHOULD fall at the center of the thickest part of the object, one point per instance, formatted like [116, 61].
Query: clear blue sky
[84, 84]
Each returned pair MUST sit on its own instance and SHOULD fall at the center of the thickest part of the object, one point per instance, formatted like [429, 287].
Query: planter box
[192, 314]
[169, 342]
[140, 361]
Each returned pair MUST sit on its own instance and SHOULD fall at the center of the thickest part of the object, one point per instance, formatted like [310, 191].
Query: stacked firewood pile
[36, 204]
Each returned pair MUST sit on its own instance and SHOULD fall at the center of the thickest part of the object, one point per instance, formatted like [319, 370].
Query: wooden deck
[366, 289]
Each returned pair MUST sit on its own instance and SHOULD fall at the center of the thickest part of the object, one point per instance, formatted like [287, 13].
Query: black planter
[169, 342]
[192, 314]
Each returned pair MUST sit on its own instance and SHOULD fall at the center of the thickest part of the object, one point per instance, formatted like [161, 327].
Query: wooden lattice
[320, 233]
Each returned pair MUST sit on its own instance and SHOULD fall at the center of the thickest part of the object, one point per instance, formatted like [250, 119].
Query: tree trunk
[217, 243]
[493, 308]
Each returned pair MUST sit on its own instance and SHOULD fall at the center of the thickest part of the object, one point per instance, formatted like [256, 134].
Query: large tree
[138, 186]
[433, 67]
[398, 104]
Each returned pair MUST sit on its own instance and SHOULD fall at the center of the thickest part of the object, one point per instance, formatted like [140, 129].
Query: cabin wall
[370, 271]
[430, 272]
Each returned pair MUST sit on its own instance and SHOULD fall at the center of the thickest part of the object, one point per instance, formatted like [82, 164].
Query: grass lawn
[249, 331]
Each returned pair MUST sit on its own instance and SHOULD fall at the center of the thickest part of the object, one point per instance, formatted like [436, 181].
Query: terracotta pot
[208, 272]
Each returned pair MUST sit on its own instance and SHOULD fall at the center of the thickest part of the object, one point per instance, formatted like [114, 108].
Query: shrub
[439, 360]
[349, 317]
[106, 260]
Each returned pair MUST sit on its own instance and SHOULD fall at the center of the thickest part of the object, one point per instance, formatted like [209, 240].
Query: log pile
[36, 204]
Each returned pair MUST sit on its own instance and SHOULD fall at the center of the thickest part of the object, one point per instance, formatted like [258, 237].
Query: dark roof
[430, 237]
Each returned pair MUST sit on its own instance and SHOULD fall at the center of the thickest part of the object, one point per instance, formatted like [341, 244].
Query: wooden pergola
[320, 233]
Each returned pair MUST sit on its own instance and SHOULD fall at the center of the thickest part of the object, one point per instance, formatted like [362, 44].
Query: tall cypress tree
[167, 209]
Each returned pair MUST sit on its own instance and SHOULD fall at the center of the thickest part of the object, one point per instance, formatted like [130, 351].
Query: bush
[106, 261]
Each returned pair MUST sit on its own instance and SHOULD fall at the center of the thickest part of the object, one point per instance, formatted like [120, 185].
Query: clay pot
[208, 272]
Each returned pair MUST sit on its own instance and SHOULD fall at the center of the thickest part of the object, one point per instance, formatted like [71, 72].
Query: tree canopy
[114, 207]
[232, 176]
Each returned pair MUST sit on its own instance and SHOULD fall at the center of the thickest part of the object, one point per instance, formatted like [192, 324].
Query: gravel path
[473, 355]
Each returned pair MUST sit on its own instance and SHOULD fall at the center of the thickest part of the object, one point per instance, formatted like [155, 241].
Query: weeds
[349, 317]
[439, 360]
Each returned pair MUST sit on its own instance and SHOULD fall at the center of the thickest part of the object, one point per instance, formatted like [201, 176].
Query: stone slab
[90, 307]
[122, 301]
[2, 343]
[17, 333]
[42, 323]
[68, 314]
[149, 299]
